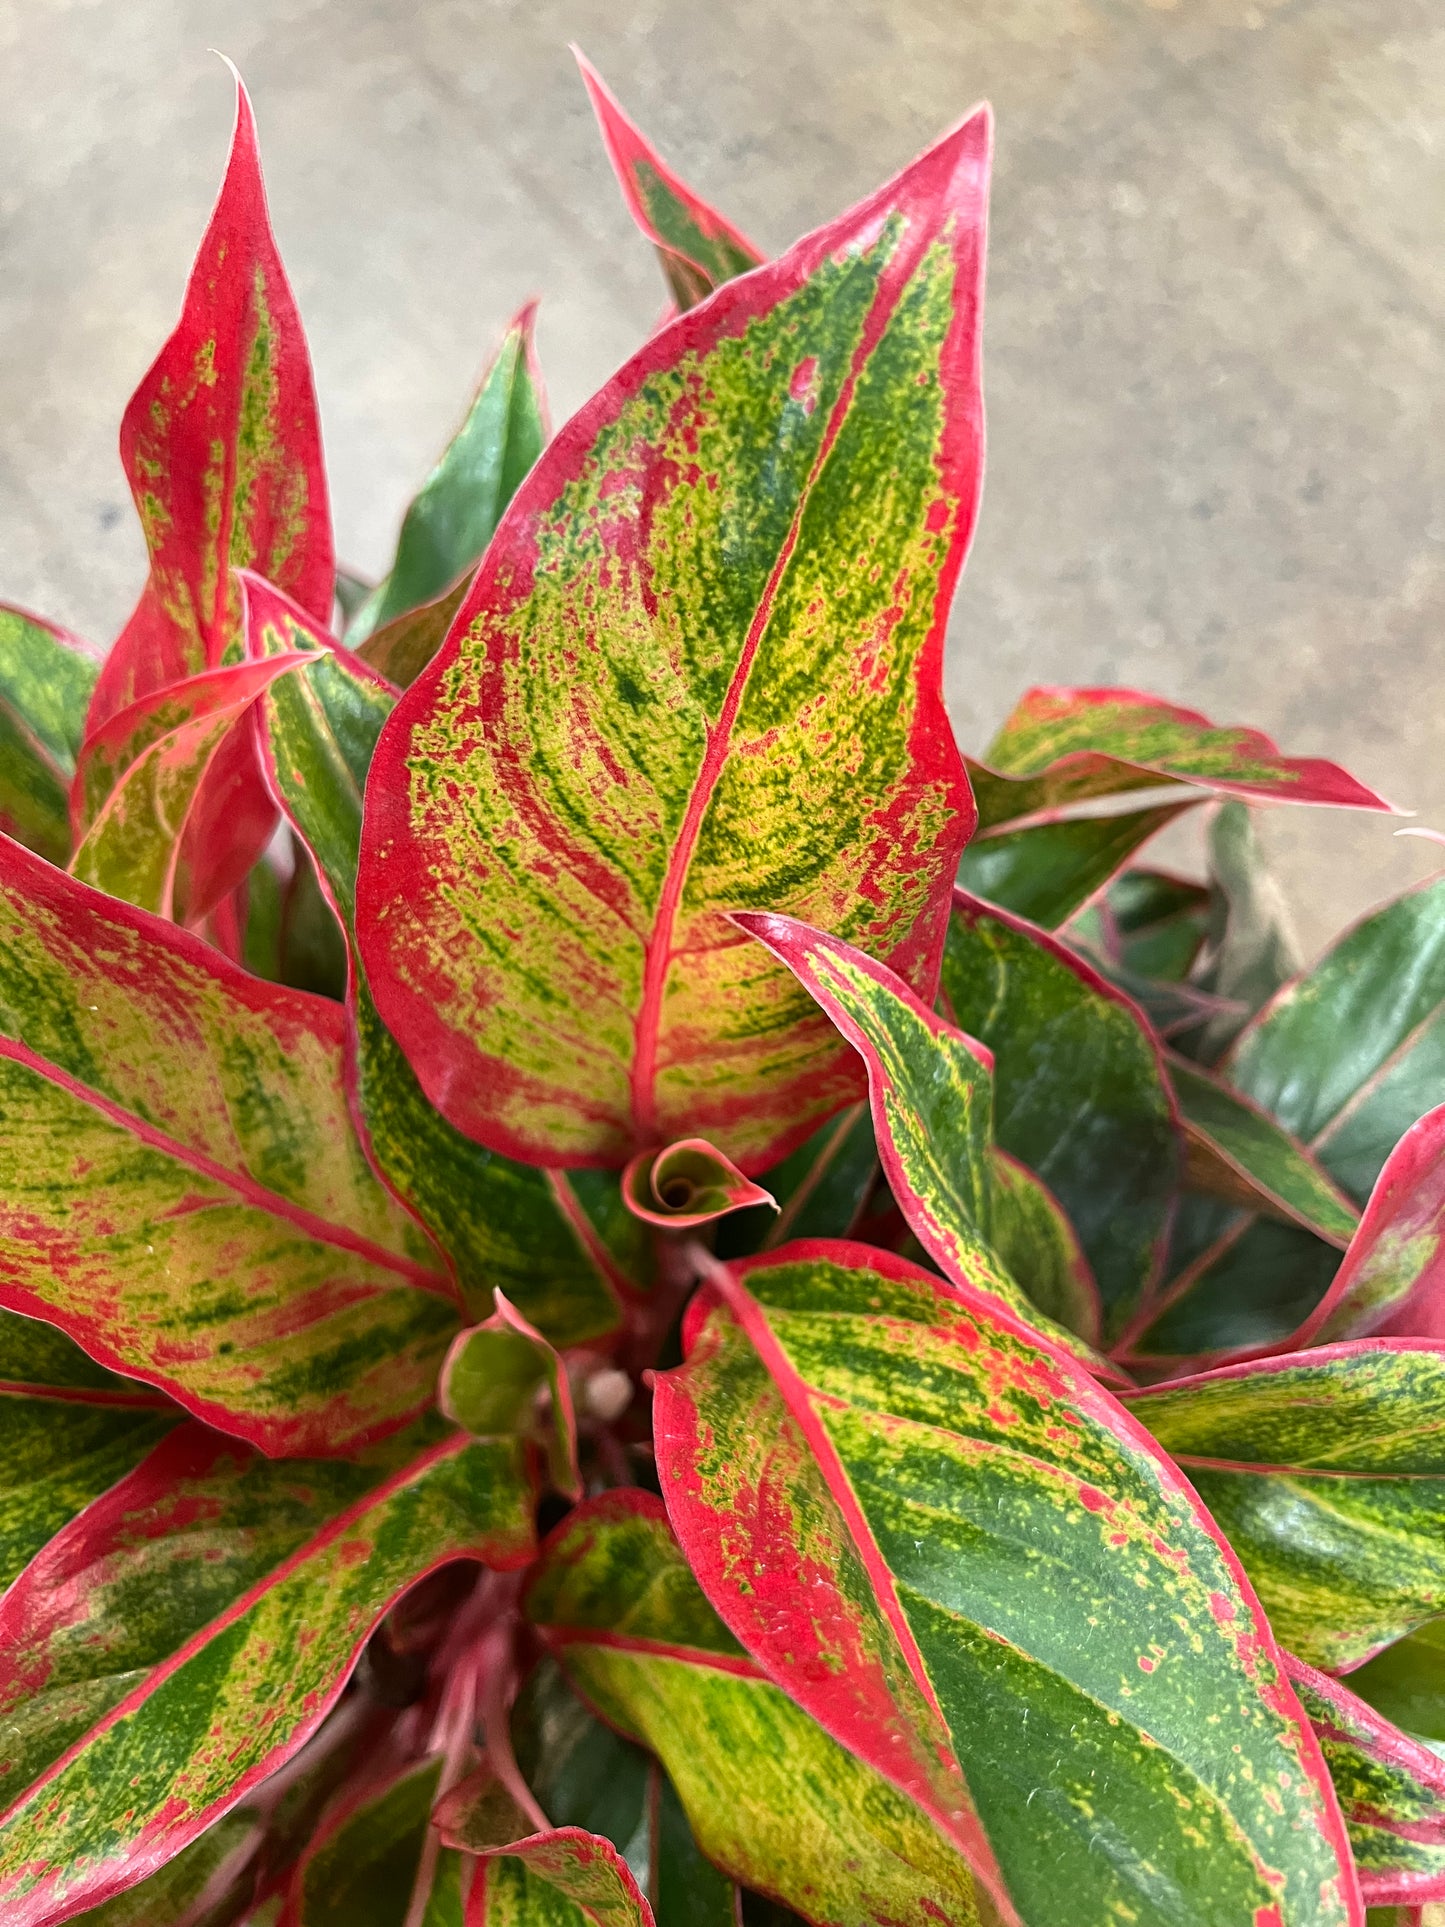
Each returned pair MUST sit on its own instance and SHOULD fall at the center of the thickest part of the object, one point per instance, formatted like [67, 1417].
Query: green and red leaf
[1080, 1091]
[184, 1732]
[163, 787]
[698, 249]
[698, 671]
[968, 1562]
[1061, 746]
[1048, 871]
[181, 1188]
[490, 1382]
[561, 1245]
[772, 1799]
[455, 513]
[46, 679]
[1390, 1788]
[1326, 1469]
[931, 1092]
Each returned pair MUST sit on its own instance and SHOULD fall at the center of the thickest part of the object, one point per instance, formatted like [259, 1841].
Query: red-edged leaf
[688, 1184]
[698, 249]
[975, 1570]
[180, 1187]
[370, 1853]
[1392, 1281]
[490, 1383]
[1034, 1239]
[167, 1733]
[931, 1092]
[166, 782]
[1391, 1790]
[1061, 745]
[699, 671]
[566, 1877]
[221, 444]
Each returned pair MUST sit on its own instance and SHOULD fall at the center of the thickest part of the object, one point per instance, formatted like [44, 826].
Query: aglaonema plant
[630, 1292]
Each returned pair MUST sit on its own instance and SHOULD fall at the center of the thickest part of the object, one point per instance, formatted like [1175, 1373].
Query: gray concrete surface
[1214, 348]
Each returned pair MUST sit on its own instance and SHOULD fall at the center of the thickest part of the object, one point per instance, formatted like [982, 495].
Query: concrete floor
[1215, 358]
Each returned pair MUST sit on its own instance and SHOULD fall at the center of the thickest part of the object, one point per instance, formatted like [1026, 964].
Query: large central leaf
[699, 671]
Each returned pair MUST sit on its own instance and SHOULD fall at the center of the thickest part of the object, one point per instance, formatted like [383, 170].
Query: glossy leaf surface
[46, 679]
[1237, 1152]
[1060, 746]
[1326, 1469]
[146, 1774]
[770, 1796]
[152, 781]
[454, 515]
[907, 1511]
[698, 249]
[1046, 871]
[688, 1183]
[931, 1093]
[1391, 1791]
[182, 1191]
[563, 1248]
[1035, 1241]
[1080, 1093]
[698, 671]
[222, 449]
[490, 1382]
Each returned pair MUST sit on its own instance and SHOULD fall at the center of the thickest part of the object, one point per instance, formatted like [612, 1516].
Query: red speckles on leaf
[803, 388]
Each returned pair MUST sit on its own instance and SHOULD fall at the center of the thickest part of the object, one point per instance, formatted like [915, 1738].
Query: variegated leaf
[565, 1878]
[931, 1091]
[1080, 1093]
[402, 648]
[561, 1245]
[46, 679]
[1326, 1469]
[1034, 1240]
[68, 1429]
[698, 671]
[205, 1886]
[968, 1562]
[180, 1187]
[1060, 746]
[698, 249]
[155, 781]
[363, 1865]
[455, 513]
[150, 1725]
[1391, 1790]
[221, 444]
[772, 1799]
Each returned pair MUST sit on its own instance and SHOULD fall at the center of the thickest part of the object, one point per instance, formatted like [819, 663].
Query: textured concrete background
[1214, 351]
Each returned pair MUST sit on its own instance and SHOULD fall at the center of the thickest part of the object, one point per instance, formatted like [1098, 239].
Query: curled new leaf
[689, 1183]
[1060, 746]
[287, 1575]
[490, 1385]
[698, 249]
[719, 595]
[566, 1878]
[180, 1186]
[968, 1562]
